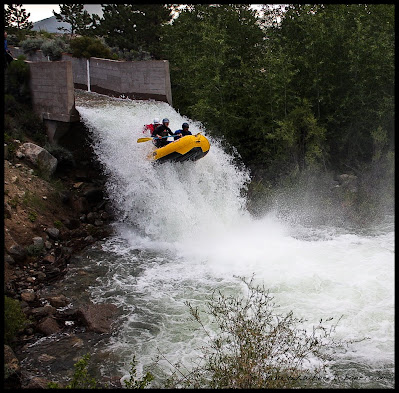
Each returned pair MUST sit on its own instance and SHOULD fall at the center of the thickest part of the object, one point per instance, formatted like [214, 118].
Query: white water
[184, 231]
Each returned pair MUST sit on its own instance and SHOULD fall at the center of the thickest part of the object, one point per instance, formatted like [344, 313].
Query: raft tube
[187, 148]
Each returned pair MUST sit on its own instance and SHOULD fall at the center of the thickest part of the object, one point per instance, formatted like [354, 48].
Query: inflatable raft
[187, 148]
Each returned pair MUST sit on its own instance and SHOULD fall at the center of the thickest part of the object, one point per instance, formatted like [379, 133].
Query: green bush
[34, 250]
[31, 125]
[31, 45]
[54, 49]
[255, 346]
[14, 319]
[89, 47]
[17, 80]
[10, 104]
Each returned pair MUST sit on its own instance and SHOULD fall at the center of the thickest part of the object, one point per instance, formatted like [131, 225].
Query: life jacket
[149, 127]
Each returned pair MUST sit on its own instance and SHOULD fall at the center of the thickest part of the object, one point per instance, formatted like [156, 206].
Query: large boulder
[97, 317]
[17, 252]
[39, 157]
[48, 326]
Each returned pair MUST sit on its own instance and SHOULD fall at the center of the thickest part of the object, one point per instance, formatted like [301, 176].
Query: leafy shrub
[14, 319]
[89, 47]
[10, 104]
[34, 250]
[31, 45]
[133, 382]
[31, 125]
[32, 216]
[256, 347]
[58, 224]
[17, 80]
[54, 49]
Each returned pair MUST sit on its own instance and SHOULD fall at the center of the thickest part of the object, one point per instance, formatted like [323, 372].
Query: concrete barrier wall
[133, 79]
[52, 89]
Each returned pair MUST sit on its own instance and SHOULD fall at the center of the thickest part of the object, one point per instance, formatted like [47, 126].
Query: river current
[184, 231]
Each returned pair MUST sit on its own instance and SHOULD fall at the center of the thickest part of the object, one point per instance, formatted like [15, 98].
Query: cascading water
[183, 231]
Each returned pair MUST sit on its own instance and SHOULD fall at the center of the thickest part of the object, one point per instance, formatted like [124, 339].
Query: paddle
[150, 138]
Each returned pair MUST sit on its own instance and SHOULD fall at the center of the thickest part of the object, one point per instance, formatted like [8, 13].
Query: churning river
[184, 231]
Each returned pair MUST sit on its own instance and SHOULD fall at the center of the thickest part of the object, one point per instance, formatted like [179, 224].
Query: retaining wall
[134, 79]
[52, 89]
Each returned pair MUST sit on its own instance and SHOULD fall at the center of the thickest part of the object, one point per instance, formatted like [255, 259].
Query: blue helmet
[184, 125]
[165, 120]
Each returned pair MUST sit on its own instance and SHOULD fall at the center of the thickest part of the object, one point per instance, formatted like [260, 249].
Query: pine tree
[16, 18]
[134, 26]
[80, 20]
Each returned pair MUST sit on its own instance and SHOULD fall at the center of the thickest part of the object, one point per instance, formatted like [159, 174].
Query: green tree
[302, 138]
[212, 51]
[134, 26]
[89, 47]
[352, 94]
[79, 19]
[16, 20]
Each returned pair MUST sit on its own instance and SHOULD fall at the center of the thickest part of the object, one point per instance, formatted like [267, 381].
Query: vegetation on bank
[14, 319]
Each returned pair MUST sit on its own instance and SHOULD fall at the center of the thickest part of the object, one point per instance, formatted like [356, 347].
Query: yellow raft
[187, 148]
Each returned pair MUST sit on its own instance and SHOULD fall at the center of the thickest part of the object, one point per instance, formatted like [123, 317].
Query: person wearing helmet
[183, 132]
[162, 131]
[151, 127]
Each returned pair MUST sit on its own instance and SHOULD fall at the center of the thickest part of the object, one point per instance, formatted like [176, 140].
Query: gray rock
[39, 157]
[38, 242]
[98, 317]
[41, 312]
[54, 233]
[91, 217]
[17, 252]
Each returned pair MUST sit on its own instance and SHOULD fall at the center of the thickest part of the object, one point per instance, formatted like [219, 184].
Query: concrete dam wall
[52, 84]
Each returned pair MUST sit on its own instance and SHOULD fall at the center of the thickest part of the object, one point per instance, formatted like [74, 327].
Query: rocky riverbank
[49, 218]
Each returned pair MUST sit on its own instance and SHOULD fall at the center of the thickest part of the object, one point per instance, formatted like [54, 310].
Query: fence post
[88, 75]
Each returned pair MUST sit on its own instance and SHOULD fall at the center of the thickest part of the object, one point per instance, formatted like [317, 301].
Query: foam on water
[184, 232]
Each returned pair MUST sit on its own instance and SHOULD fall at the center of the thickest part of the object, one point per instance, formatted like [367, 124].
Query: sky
[40, 11]
[43, 11]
